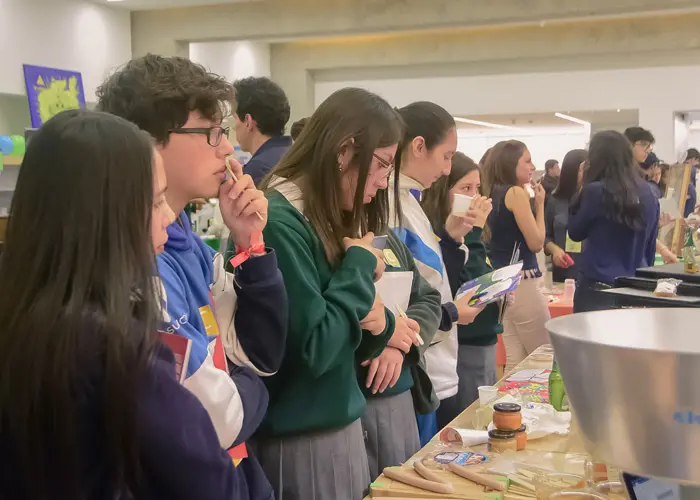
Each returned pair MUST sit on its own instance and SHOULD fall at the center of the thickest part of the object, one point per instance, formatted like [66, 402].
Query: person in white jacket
[425, 155]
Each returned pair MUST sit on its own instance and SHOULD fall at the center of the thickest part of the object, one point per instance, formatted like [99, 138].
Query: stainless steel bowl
[633, 380]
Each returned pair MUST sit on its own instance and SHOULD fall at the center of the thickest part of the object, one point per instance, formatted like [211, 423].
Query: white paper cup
[487, 394]
[461, 204]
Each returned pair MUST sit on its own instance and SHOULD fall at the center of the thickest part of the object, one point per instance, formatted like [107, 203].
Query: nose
[383, 182]
[225, 148]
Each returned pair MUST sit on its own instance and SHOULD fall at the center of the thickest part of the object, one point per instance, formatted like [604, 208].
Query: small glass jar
[502, 441]
[507, 416]
[521, 437]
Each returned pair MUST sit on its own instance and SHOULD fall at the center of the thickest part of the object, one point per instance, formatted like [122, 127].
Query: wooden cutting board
[464, 489]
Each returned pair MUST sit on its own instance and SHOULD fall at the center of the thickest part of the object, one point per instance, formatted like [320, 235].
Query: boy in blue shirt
[182, 106]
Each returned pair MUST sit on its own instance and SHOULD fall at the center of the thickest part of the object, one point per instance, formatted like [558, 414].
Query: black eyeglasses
[214, 134]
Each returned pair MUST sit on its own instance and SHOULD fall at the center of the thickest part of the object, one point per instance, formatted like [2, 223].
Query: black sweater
[485, 328]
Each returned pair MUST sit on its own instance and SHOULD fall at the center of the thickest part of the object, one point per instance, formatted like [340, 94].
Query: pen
[235, 179]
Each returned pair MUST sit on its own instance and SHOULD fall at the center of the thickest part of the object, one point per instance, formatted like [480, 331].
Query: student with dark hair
[99, 413]
[516, 231]
[181, 105]
[260, 116]
[652, 173]
[550, 179]
[476, 361]
[642, 142]
[692, 158]
[616, 215]
[556, 216]
[425, 155]
[297, 128]
[327, 197]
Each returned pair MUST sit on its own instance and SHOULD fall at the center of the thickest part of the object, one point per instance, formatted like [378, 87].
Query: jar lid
[499, 434]
[507, 407]
[523, 428]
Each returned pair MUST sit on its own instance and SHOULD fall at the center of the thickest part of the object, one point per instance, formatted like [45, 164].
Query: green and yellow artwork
[51, 90]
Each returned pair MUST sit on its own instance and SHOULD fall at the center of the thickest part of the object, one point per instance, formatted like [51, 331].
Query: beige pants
[523, 322]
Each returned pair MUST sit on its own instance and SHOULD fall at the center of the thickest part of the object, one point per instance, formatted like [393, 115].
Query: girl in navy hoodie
[90, 406]
[616, 216]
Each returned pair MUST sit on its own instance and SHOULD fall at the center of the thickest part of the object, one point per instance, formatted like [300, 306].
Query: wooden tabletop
[550, 450]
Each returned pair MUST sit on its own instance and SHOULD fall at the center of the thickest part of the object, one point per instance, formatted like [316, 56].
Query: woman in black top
[557, 243]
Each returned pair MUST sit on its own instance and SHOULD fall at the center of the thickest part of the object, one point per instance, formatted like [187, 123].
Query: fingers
[412, 324]
[379, 378]
[366, 363]
[235, 166]
[397, 374]
[245, 182]
[367, 239]
[374, 365]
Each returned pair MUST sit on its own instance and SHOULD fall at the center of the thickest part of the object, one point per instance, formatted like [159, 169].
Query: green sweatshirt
[485, 328]
[424, 308]
[316, 387]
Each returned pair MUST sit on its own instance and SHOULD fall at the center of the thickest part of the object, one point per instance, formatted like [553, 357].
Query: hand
[467, 313]
[459, 226]
[239, 202]
[480, 208]
[384, 370]
[560, 258]
[366, 243]
[375, 321]
[668, 256]
[405, 334]
[539, 195]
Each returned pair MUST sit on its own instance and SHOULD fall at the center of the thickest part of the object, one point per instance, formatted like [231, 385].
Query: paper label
[571, 245]
[209, 320]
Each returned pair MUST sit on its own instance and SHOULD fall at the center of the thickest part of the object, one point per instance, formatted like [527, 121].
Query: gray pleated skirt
[319, 466]
[391, 431]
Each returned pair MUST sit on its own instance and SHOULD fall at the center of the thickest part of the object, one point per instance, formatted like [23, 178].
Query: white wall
[65, 34]
[656, 92]
[543, 143]
[233, 60]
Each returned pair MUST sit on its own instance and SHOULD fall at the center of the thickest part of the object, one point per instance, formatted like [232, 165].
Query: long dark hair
[500, 164]
[436, 199]
[611, 162]
[568, 179]
[78, 301]
[312, 162]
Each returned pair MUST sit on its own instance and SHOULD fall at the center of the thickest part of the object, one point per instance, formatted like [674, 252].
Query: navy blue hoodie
[267, 157]
[249, 311]
[611, 249]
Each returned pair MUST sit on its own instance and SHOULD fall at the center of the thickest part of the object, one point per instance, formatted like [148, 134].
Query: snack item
[507, 416]
[501, 441]
[667, 287]
[442, 459]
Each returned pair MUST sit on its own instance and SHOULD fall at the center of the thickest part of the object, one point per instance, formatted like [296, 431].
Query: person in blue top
[692, 158]
[90, 404]
[181, 105]
[260, 115]
[616, 216]
[516, 233]
[556, 217]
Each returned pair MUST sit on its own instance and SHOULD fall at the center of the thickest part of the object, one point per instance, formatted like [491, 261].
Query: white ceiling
[608, 117]
[166, 4]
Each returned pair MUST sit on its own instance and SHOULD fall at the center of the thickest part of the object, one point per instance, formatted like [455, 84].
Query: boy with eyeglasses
[182, 106]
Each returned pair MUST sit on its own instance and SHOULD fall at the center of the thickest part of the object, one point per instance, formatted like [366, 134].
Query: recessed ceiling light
[572, 119]
[483, 124]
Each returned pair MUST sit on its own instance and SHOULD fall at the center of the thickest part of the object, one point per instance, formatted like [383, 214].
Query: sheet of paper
[525, 375]
[395, 289]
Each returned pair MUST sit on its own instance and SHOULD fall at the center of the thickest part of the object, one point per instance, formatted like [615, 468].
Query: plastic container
[548, 484]
[502, 441]
[507, 416]
[569, 290]
[487, 393]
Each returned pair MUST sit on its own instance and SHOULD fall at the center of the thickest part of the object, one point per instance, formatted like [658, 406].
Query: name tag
[572, 246]
[209, 320]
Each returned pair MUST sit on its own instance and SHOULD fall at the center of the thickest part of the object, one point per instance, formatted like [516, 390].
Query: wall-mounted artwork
[51, 91]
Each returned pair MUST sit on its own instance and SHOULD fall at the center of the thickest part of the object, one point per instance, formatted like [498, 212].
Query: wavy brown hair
[158, 93]
[350, 114]
[500, 164]
[436, 199]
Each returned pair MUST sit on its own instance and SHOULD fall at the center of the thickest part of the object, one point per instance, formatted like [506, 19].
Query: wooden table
[551, 450]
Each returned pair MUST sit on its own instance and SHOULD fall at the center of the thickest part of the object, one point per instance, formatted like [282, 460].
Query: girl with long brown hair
[516, 233]
[327, 197]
